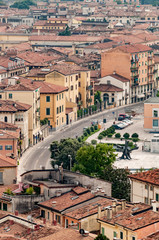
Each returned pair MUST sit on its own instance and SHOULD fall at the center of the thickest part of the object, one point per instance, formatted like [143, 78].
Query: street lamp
[70, 157]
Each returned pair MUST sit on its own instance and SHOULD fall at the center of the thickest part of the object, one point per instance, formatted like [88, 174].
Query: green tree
[157, 95]
[66, 32]
[92, 160]
[120, 182]
[25, 4]
[101, 237]
[30, 191]
[126, 135]
[60, 151]
[97, 97]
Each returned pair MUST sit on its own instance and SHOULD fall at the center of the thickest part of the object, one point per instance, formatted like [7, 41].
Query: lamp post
[70, 157]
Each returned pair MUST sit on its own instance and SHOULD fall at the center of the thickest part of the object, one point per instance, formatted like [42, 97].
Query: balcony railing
[89, 88]
[135, 77]
[134, 68]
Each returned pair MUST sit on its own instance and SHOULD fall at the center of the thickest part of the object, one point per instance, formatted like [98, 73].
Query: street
[39, 155]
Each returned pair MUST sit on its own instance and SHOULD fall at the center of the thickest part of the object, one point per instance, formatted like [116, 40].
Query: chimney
[99, 210]
[114, 72]
[153, 204]
[123, 204]
[109, 213]
[54, 204]
[114, 206]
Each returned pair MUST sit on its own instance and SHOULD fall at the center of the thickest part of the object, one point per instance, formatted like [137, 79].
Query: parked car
[119, 126]
[123, 116]
[128, 121]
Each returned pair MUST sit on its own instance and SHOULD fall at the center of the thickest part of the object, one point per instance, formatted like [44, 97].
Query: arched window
[5, 119]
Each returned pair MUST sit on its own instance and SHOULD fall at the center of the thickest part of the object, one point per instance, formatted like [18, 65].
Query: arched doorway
[105, 99]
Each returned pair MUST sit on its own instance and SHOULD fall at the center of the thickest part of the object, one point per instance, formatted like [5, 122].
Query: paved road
[39, 155]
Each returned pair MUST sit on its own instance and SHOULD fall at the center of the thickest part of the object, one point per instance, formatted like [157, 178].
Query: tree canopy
[101, 237]
[25, 4]
[120, 182]
[66, 32]
[97, 97]
[60, 151]
[93, 160]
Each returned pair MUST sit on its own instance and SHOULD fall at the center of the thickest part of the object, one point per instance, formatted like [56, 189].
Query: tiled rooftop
[151, 176]
[66, 200]
[134, 217]
[107, 88]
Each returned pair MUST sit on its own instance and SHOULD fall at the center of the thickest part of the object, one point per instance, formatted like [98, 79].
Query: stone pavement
[139, 159]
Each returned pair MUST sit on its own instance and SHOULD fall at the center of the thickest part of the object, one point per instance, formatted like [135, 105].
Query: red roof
[151, 176]
[107, 88]
[46, 87]
[7, 162]
[66, 200]
[130, 48]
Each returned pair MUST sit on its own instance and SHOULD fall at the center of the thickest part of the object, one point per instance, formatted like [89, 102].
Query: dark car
[123, 116]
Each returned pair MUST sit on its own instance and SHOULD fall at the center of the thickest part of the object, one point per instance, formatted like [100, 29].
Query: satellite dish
[56, 166]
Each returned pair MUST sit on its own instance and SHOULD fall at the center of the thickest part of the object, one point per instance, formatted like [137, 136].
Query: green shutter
[102, 231]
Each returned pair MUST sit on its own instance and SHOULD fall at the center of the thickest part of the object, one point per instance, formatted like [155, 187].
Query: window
[71, 79]
[10, 95]
[4, 207]
[47, 98]
[48, 215]
[66, 79]
[58, 218]
[146, 200]
[121, 235]
[60, 96]
[1, 177]
[72, 87]
[66, 223]
[62, 119]
[157, 197]
[0, 96]
[57, 97]
[76, 77]
[142, 63]
[151, 188]
[5, 119]
[60, 109]
[1, 147]
[155, 113]
[57, 110]
[102, 230]
[8, 147]
[79, 75]
[79, 84]
[146, 186]
[155, 123]
[57, 122]
[114, 234]
[47, 111]
[133, 238]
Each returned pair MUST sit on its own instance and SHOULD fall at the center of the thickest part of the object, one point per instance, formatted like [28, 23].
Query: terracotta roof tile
[66, 200]
[134, 217]
[46, 87]
[6, 162]
[151, 176]
[12, 106]
[107, 88]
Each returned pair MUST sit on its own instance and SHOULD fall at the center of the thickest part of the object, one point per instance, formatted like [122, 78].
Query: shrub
[110, 135]
[117, 135]
[79, 139]
[112, 129]
[88, 131]
[135, 139]
[135, 135]
[96, 127]
[85, 134]
[130, 144]
[30, 190]
[94, 142]
[92, 129]
[126, 135]
[82, 136]
[100, 137]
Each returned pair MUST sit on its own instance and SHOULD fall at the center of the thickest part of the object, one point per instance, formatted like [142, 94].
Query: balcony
[134, 68]
[150, 57]
[89, 88]
[134, 60]
[135, 77]
[150, 73]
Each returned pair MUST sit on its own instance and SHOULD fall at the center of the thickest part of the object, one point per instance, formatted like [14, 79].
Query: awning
[141, 95]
